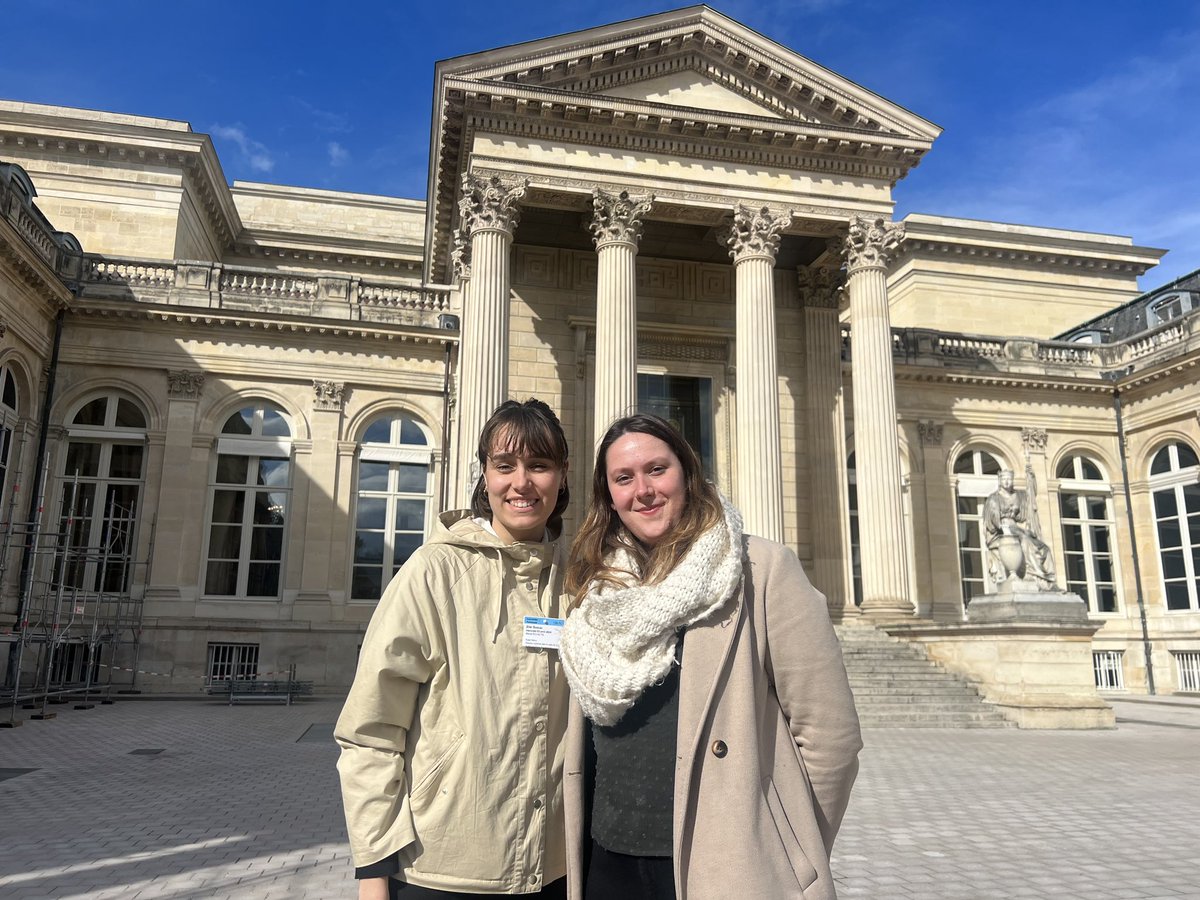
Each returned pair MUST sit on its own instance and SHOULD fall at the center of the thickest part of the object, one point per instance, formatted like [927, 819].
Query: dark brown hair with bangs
[602, 530]
[524, 429]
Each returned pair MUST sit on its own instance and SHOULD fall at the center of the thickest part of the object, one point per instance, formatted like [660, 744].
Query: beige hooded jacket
[452, 735]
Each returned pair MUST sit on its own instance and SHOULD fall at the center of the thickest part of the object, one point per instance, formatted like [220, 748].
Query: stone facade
[586, 199]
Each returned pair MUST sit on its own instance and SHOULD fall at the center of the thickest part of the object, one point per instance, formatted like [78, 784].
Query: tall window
[975, 472]
[249, 497]
[686, 402]
[1085, 500]
[100, 492]
[855, 540]
[1174, 487]
[395, 490]
[8, 426]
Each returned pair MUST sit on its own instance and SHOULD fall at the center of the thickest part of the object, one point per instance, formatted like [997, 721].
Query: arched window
[392, 501]
[9, 410]
[249, 497]
[1175, 489]
[101, 488]
[975, 472]
[1085, 501]
[855, 540]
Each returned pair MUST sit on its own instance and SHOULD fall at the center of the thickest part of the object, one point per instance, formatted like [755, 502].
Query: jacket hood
[459, 528]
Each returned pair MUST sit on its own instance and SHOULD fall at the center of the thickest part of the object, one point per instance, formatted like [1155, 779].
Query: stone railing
[250, 290]
[19, 210]
[925, 347]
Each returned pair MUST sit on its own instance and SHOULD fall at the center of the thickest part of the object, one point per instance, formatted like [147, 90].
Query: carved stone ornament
[185, 384]
[3, 328]
[490, 202]
[754, 232]
[819, 286]
[460, 256]
[328, 394]
[1034, 440]
[871, 242]
[618, 217]
[930, 433]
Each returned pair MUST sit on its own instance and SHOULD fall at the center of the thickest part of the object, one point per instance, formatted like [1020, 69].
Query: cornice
[264, 323]
[191, 153]
[1041, 260]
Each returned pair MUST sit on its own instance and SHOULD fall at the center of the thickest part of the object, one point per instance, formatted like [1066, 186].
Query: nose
[520, 477]
[643, 488]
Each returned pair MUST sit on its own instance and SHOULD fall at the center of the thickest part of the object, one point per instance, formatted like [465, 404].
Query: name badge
[542, 632]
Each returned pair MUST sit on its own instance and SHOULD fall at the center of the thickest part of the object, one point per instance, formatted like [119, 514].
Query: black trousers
[617, 876]
[399, 890]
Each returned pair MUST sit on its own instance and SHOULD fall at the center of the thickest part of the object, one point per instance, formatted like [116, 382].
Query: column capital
[820, 287]
[460, 256]
[754, 233]
[184, 384]
[617, 218]
[491, 203]
[328, 395]
[870, 243]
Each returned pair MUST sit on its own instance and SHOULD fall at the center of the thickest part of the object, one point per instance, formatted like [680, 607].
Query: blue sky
[1059, 113]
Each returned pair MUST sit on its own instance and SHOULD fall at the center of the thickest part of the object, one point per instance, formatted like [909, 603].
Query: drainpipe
[1147, 649]
[450, 323]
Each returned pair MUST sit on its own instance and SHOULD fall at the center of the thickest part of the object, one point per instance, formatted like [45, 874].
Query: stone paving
[242, 802]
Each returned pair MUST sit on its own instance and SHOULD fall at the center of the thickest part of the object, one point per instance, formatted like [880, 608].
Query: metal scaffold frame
[79, 617]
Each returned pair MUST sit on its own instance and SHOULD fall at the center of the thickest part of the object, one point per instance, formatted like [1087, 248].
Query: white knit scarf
[622, 639]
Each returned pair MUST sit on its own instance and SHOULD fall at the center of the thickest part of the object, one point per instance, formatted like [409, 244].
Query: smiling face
[647, 484]
[521, 491]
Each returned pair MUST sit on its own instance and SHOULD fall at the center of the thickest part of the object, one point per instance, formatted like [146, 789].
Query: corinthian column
[753, 241]
[616, 230]
[489, 214]
[876, 440]
[819, 290]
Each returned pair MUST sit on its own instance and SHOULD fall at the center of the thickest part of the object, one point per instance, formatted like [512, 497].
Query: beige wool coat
[767, 746]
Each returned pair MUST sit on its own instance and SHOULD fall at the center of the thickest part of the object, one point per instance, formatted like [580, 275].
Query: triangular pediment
[690, 89]
[692, 58]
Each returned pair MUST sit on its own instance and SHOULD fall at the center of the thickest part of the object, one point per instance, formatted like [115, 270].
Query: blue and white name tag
[542, 632]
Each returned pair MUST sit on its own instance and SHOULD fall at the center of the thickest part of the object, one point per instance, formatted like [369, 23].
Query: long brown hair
[526, 429]
[602, 530]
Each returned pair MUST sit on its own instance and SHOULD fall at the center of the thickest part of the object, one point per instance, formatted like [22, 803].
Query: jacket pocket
[804, 871]
[430, 777]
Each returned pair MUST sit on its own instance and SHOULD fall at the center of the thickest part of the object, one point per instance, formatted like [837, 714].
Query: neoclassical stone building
[240, 407]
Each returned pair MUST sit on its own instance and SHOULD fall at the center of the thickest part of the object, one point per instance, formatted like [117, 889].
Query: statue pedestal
[1028, 652]
[1019, 605]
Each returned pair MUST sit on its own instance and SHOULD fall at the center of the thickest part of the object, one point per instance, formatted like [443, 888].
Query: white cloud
[254, 154]
[338, 155]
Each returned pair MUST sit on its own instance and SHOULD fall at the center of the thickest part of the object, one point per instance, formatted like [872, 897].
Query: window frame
[976, 485]
[1079, 488]
[1173, 481]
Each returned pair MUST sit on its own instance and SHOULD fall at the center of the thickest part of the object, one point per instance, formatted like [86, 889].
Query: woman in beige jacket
[712, 740]
[452, 735]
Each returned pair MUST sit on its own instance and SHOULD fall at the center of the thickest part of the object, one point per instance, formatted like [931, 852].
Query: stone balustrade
[251, 290]
[925, 347]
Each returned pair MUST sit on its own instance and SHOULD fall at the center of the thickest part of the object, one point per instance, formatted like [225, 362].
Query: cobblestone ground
[242, 802]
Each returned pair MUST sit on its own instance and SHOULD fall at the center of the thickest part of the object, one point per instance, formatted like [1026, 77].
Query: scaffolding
[80, 622]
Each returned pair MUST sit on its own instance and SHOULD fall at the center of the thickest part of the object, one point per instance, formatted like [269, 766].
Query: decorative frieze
[328, 395]
[870, 243]
[491, 203]
[754, 232]
[819, 286]
[184, 384]
[618, 218]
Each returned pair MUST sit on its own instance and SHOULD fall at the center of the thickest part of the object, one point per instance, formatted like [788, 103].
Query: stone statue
[1018, 558]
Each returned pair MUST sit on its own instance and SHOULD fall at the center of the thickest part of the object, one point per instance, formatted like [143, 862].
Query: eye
[658, 470]
[622, 479]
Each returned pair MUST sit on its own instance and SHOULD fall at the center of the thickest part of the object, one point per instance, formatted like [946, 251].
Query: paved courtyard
[242, 802]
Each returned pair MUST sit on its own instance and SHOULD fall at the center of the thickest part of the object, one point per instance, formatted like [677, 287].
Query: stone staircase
[897, 686]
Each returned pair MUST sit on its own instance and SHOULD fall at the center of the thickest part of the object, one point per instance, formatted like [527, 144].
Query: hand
[373, 889]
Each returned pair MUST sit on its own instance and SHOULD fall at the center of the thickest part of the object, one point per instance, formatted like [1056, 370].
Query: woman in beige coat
[712, 740]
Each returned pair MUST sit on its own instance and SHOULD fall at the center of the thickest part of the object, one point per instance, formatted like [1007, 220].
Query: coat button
[719, 749]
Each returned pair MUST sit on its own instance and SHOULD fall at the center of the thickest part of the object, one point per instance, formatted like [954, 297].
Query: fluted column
[876, 439]
[753, 241]
[616, 230]
[489, 213]
[828, 507]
